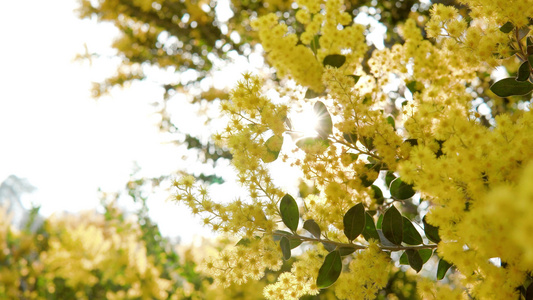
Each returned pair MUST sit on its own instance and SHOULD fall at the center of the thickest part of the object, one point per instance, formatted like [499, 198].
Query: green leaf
[310, 94]
[403, 259]
[278, 234]
[393, 225]
[334, 60]
[442, 268]
[315, 44]
[507, 27]
[285, 245]
[389, 177]
[412, 142]
[379, 223]
[329, 246]
[432, 232]
[412, 86]
[425, 254]
[324, 125]
[410, 234]
[368, 142]
[523, 72]
[391, 121]
[415, 261]
[273, 146]
[354, 221]
[295, 242]
[370, 231]
[312, 227]
[330, 270]
[355, 78]
[378, 194]
[350, 137]
[400, 190]
[244, 242]
[510, 87]
[309, 144]
[529, 292]
[289, 212]
[530, 59]
[345, 250]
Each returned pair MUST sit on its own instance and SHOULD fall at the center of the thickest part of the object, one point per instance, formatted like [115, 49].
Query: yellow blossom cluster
[473, 176]
[371, 262]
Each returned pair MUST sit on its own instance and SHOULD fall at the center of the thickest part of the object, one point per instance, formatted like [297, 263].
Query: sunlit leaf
[273, 146]
[334, 60]
[393, 225]
[391, 121]
[330, 270]
[415, 261]
[442, 268]
[410, 234]
[432, 232]
[507, 27]
[315, 44]
[289, 212]
[285, 245]
[370, 231]
[511, 87]
[425, 254]
[354, 221]
[400, 190]
[312, 227]
[523, 72]
[324, 125]
[310, 94]
[312, 144]
[378, 194]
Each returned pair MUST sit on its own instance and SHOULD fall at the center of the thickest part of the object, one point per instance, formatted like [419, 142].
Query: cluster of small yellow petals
[238, 264]
[429, 290]
[368, 273]
[501, 11]
[289, 59]
[300, 281]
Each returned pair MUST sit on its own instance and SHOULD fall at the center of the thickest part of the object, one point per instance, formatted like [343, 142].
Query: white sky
[54, 134]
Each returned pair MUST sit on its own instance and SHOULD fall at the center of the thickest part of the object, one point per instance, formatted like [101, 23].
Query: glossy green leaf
[295, 242]
[355, 78]
[334, 60]
[330, 270]
[379, 223]
[425, 254]
[507, 27]
[370, 231]
[350, 137]
[410, 234]
[415, 261]
[312, 227]
[378, 194]
[393, 225]
[324, 124]
[432, 232]
[289, 212]
[511, 87]
[345, 250]
[389, 177]
[312, 143]
[285, 245]
[400, 190]
[273, 146]
[523, 72]
[391, 121]
[442, 268]
[354, 221]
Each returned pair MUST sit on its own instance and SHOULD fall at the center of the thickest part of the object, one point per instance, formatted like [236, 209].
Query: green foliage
[354, 221]
[393, 225]
[289, 212]
[330, 270]
[334, 60]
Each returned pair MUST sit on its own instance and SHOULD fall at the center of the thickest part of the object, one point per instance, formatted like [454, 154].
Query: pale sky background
[54, 134]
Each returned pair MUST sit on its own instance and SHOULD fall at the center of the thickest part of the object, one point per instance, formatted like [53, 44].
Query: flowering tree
[417, 154]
